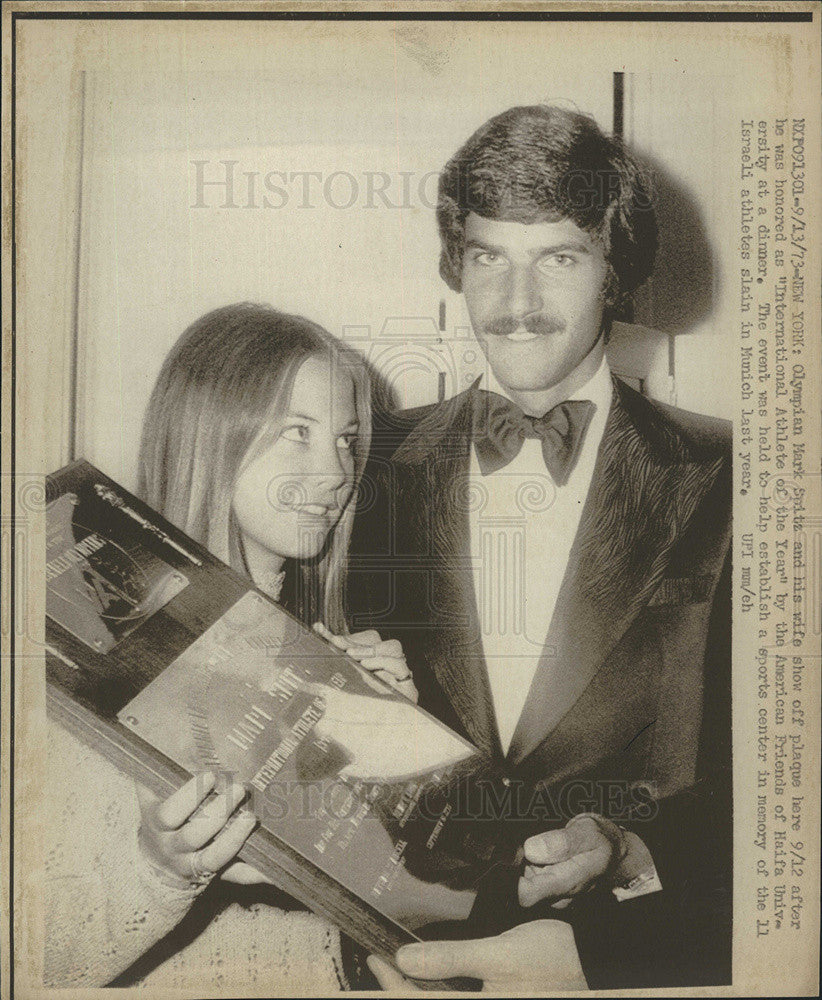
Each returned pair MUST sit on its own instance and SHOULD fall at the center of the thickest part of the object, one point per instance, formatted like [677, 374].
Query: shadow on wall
[680, 293]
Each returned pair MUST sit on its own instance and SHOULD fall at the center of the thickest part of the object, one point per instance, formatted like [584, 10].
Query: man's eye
[487, 259]
[295, 432]
[347, 441]
[557, 260]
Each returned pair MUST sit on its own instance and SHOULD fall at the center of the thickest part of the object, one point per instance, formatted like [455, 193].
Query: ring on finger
[397, 680]
[199, 875]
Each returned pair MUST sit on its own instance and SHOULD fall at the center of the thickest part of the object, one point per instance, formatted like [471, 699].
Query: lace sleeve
[104, 905]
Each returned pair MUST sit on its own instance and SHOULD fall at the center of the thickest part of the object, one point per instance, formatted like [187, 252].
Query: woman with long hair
[254, 442]
[218, 413]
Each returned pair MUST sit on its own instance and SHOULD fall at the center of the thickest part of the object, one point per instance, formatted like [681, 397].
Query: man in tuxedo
[552, 548]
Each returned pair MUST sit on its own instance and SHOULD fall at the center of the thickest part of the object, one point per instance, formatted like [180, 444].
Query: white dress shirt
[522, 528]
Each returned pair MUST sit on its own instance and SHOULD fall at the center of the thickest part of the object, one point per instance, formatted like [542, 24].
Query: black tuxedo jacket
[628, 714]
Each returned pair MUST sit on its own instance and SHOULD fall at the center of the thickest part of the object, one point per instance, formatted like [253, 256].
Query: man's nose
[524, 295]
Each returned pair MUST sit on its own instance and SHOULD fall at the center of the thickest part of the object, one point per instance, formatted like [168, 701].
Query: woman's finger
[239, 873]
[377, 686]
[176, 809]
[147, 800]
[357, 646]
[397, 669]
[406, 688]
[227, 843]
[409, 690]
[381, 658]
[390, 647]
[210, 819]
[370, 637]
[335, 640]
[363, 645]
[362, 654]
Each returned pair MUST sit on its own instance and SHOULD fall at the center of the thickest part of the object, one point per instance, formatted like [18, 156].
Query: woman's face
[290, 496]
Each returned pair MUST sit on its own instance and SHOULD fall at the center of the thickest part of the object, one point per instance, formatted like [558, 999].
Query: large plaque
[169, 664]
[350, 773]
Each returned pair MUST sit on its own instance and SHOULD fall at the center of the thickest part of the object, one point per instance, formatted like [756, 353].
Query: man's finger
[553, 846]
[592, 831]
[388, 977]
[178, 807]
[548, 848]
[553, 882]
[566, 878]
[447, 959]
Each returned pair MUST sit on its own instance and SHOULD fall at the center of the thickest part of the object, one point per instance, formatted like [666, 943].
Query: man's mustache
[535, 323]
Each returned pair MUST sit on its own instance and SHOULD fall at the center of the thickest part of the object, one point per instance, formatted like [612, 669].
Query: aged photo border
[14, 14]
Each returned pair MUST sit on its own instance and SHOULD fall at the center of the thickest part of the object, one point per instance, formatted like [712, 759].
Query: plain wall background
[130, 250]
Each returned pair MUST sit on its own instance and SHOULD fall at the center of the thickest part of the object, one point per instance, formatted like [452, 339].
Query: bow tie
[500, 427]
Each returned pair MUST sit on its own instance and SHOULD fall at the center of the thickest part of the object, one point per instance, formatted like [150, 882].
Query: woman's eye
[295, 432]
[347, 441]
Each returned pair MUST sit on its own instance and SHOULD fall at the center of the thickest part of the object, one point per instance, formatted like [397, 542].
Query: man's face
[535, 297]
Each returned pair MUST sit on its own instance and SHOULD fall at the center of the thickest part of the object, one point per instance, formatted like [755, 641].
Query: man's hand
[564, 863]
[534, 958]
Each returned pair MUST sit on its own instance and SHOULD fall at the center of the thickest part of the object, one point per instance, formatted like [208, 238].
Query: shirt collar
[598, 388]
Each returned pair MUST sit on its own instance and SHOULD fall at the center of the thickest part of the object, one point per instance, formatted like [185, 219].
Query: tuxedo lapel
[645, 488]
[433, 464]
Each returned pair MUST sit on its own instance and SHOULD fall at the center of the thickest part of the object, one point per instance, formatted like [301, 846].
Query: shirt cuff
[636, 874]
[642, 885]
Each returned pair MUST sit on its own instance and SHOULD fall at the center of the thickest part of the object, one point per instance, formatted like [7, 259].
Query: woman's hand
[384, 659]
[189, 841]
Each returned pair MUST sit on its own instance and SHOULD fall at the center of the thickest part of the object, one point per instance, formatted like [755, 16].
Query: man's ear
[451, 271]
[607, 323]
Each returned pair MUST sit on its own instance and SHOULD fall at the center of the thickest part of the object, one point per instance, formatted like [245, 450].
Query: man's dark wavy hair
[542, 164]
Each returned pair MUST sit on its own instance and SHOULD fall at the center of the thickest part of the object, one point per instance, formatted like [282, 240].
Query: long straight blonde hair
[223, 392]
